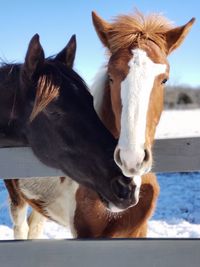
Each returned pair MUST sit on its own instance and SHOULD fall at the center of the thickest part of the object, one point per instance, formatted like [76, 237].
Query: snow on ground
[179, 123]
[178, 209]
[178, 229]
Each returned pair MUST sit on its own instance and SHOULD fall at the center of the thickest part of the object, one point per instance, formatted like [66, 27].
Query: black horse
[46, 104]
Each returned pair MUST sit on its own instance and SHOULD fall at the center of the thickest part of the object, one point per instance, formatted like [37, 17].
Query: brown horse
[128, 96]
[128, 91]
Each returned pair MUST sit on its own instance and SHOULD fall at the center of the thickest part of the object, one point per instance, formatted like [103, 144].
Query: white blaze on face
[135, 95]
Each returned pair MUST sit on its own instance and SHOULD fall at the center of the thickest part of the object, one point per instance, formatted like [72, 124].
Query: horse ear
[176, 36]
[34, 57]
[67, 55]
[102, 27]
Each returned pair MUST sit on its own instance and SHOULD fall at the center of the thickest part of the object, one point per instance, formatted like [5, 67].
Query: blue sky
[57, 20]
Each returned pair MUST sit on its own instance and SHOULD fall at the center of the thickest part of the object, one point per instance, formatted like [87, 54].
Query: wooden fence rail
[101, 253]
[170, 155]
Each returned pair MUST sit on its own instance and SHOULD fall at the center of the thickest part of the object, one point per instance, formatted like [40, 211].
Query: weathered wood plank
[170, 155]
[20, 162]
[177, 155]
[98, 253]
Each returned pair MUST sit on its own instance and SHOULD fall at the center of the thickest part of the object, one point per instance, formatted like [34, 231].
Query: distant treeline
[181, 97]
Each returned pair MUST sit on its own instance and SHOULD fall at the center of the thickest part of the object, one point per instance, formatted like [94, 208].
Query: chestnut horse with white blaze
[128, 91]
[128, 97]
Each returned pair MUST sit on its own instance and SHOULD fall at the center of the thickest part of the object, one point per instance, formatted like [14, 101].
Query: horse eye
[164, 81]
[110, 79]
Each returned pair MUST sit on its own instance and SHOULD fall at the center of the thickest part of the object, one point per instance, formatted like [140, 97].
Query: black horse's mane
[11, 66]
[61, 69]
[52, 74]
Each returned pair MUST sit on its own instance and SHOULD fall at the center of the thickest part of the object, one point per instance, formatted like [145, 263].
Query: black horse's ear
[34, 57]
[67, 55]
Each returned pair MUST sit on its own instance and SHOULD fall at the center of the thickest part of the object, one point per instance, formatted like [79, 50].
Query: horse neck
[102, 100]
[93, 220]
[84, 103]
[93, 125]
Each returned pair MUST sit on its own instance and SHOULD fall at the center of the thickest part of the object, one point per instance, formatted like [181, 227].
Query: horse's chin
[114, 208]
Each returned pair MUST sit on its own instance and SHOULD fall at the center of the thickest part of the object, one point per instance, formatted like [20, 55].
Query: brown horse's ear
[102, 27]
[34, 57]
[176, 36]
[67, 55]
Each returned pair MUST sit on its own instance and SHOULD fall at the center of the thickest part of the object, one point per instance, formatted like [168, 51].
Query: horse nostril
[122, 189]
[117, 157]
[146, 155]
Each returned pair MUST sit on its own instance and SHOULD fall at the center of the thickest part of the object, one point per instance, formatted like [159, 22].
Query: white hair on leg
[36, 225]
[19, 218]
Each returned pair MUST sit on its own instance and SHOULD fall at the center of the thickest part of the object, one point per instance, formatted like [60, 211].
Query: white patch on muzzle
[137, 181]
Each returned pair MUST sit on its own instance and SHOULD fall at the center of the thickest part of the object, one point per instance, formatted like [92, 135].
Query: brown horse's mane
[127, 30]
[46, 92]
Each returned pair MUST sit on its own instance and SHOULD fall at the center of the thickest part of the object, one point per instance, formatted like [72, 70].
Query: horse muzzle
[133, 162]
[124, 194]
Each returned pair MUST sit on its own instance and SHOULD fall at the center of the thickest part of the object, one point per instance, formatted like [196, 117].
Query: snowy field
[178, 209]
[179, 123]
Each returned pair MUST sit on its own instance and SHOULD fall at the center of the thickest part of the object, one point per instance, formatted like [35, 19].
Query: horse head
[128, 92]
[54, 110]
